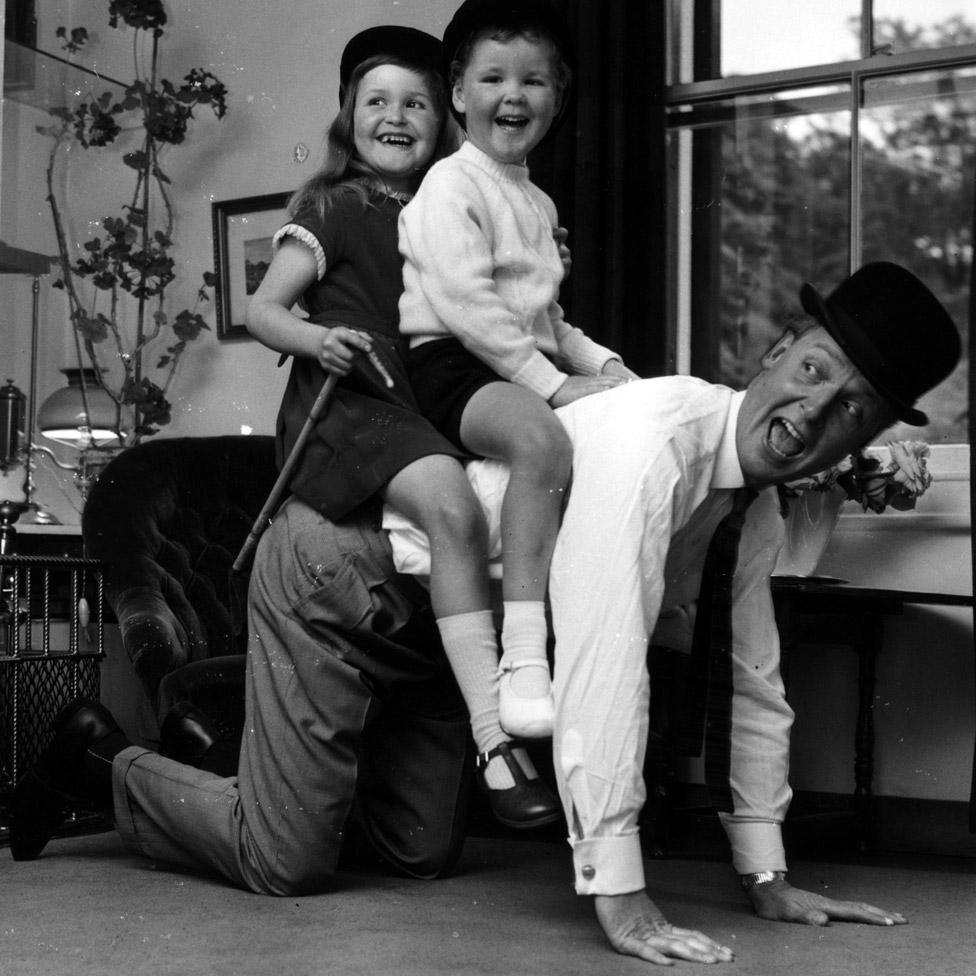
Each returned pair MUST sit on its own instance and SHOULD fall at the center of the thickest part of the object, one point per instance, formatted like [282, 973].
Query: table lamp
[83, 416]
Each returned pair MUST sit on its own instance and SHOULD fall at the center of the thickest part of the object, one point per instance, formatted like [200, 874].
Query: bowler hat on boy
[476, 15]
[893, 329]
[413, 47]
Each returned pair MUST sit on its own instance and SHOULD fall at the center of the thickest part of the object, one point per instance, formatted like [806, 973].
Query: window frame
[683, 355]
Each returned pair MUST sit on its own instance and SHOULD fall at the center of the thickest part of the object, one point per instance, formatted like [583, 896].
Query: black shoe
[56, 783]
[188, 736]
[529, 803]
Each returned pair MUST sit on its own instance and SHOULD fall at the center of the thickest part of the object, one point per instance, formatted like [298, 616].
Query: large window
[799, 151]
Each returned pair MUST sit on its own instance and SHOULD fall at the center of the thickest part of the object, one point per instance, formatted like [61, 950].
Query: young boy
[490, 352]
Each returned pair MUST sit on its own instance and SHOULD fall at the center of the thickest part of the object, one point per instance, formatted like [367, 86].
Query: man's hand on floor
[635, 926]
[781, 902]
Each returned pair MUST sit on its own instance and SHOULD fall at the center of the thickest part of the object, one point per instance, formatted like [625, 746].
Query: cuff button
[588, 872]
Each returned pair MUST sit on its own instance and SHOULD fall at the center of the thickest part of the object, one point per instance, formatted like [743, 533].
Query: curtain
[604, 166]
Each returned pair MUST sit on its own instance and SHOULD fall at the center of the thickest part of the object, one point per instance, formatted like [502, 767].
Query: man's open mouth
[784, 439]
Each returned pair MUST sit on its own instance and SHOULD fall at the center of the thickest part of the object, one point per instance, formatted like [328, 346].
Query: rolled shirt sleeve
[757, 845]
[761, 717]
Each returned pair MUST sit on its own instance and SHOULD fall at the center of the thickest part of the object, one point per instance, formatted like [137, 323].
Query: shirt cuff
[757, 845]
[608, 865]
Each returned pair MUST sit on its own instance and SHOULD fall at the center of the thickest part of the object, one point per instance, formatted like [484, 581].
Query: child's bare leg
[517, 426]
[435, 492]
[514, 425]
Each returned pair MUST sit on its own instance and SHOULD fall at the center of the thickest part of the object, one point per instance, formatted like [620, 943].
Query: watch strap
[750, 881]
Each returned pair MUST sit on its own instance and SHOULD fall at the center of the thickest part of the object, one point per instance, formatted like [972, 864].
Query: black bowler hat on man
[412, 46]
[893, 329]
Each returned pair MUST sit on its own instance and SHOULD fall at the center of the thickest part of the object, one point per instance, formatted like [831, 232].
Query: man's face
[807, 409]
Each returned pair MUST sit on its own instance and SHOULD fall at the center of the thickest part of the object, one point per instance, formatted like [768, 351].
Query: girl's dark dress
[369, 432]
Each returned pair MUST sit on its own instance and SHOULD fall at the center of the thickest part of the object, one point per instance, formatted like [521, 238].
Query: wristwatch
[750, 881]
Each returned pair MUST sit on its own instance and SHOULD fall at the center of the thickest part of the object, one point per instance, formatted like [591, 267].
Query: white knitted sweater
[480, 263]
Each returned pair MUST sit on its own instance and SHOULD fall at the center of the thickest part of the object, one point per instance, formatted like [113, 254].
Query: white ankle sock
[472, 650]
[524, 636]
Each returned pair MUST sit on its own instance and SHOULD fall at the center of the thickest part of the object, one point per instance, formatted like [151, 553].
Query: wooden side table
[802, 604]
[42, 539]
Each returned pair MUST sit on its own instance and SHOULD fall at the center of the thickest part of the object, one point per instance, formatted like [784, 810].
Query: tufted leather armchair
[168, 518]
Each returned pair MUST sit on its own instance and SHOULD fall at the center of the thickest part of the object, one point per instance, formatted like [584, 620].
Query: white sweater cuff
[586, 357]
[608, 865]
[540, 376]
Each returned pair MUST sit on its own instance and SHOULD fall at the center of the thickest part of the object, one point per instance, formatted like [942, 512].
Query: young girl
[338, 256]
[481, 278]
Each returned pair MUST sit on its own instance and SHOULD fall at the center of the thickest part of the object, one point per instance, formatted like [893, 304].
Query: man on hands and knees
[657, 466]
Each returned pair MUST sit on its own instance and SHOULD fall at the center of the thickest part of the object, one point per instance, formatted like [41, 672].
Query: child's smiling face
[509, 94]
[395, 124]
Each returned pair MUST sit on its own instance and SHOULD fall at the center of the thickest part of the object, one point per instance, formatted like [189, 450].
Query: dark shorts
[367, 434]
[444, 376]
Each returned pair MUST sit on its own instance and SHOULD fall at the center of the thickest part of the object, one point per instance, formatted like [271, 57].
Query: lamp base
[40, 516]
[91, 463]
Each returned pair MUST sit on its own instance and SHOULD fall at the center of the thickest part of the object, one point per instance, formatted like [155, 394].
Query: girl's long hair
[343, 166]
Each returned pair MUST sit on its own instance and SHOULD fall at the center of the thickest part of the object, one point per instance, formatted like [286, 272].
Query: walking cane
[278, 489]
[274, 497]
[237, 576]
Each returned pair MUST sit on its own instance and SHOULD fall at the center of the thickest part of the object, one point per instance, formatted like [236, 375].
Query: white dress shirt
[654, 471]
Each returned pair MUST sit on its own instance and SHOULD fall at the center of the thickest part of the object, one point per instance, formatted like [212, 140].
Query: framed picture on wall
[242, 233]
[20, 28]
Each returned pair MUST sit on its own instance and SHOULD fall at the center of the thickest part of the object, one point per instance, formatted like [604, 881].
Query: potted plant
[117, 289]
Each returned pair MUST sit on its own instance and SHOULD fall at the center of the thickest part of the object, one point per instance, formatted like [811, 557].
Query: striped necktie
[708, 700]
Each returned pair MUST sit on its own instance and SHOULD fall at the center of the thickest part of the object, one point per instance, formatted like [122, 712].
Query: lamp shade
[63, 416]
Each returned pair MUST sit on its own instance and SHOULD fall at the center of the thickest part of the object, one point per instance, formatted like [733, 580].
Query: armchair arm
[154, 639]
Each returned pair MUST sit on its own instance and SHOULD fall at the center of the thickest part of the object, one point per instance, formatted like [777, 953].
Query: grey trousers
[348, 699]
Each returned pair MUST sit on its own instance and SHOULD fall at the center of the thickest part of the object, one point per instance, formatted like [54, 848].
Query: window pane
[769, 210]
[918, 134]
[908, 25]
[772, 35]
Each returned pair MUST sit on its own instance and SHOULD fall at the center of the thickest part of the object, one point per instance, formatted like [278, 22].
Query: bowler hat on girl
[893, 329]
[411, 46]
